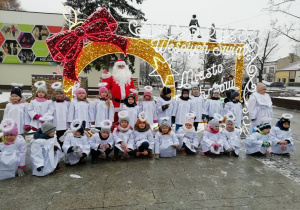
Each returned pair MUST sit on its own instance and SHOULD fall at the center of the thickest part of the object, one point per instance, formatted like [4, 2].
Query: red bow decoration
[66, 46]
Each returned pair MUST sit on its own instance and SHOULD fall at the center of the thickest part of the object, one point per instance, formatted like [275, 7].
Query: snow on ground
[289, 98]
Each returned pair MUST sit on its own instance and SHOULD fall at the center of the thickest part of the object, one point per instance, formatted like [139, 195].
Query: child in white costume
[40, 106]
[165, 104]
[81, 109]
[234, 106]
[45, 151]
[102, 142]
[283, 142]
[121, 136]
[76, 146]
[103, 108]
[199, 102]
[61, 106]
[148, 105]
[132, 108]
[260, 106]
[260, 141]
[12, 151]
[141, 138]
[212, 139]
[17, 109]
[232, 143]
[187, 136]
[183, 106]
[166, 140]
[214, 105]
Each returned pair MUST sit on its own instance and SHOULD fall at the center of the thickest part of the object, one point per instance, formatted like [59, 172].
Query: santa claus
[119, 83]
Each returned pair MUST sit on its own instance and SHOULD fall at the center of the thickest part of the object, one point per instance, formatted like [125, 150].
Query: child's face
[103, 95]
[147, 98]
[266, 131]
[237, 98]
[15, 98]
[76, 133]
[59, 96]
[51, 134]
[286, 125]
[222, 95]
[142, 125]
[81, 96]
[168, 95]
[165, 129]
[216, 128]
[104, 134]
[9, 138]
[216, 95]
[124, 124]
[195, 91]
[41, 94]
[229, 126]
[185, 95]
[188, 125]
[130, 100]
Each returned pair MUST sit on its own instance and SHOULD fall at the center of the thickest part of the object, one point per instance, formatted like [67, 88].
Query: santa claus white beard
[122, 76]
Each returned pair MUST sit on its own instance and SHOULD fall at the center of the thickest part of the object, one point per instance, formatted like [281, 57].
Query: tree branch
[296, 40]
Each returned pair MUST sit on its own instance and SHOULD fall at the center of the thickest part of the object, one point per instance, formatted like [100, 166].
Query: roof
[291, 67]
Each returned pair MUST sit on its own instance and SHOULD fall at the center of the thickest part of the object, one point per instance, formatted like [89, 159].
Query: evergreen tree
[117, 8]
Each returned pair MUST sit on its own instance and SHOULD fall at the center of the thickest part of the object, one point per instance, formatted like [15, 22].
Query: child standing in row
[214, 105]
[188, 137]
[16, 109]
[12, 151]
[131, 107]
[166, 140]
[39, 107]
[165, 104]
[148, 106]
[199, 102]
[183, 106]
[234, 106]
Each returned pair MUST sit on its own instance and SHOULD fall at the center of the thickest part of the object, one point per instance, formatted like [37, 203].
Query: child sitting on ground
[212, 139]
[282, 136]
[76, 146]
[187, 136]
[166, 140]
[260, 141]
[141, 138]
[102, 142]
[12, 151]
[121, 136]
[45, 151]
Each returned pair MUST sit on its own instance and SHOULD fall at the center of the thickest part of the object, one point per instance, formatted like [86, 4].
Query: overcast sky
[247, 14]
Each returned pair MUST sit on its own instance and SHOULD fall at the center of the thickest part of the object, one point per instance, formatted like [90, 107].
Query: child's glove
[27, 127]
[164, 107]
[265, 144]
[154, 121]
[39, 169]
[37, 116]
[283, 147]
[20, 172]
[157, 156]
[55, 148]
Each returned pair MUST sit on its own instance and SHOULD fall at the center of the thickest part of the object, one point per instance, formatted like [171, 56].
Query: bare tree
[145, 70]
[291, 29]
[10, 5]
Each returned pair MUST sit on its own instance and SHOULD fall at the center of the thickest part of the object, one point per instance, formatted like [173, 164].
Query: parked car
[277, 84]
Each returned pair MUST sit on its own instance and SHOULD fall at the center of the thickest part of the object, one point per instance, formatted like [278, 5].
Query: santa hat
[102, 87]
[123, 116]
[105, 126]
[260, 87]
[190, 117]
[17, 89]
[120, 63]
[80, 90]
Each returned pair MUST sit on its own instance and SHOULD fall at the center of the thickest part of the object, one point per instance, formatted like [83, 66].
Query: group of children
[132, 136]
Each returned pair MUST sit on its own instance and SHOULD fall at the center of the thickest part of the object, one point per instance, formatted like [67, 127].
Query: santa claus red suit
[119, 83]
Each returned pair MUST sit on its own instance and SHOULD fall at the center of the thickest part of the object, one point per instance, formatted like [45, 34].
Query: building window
[284, 80]
[292, 80]
[265, 70]
[278, 80]
[271, 70]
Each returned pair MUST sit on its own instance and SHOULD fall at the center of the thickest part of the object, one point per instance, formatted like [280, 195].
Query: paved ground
[191, 182]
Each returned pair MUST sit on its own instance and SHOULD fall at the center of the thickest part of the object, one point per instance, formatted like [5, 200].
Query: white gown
[282, 135]
[167, 112]
[200, 107]
[42, 108]
[208, 138]
[119, 136]
[163, 144]
[149, 107]
[237, 110]
[181, 108]
[254, 143]
[11, 157]
[60, 115]
[95, 141]
[80, 110]
[190, 138]
[214, 106]
[132, 114]
[70, 141]
[259, 106]
[18, 113]
[102, 112]
[42, 154]
[137, 138]
[232, 140]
